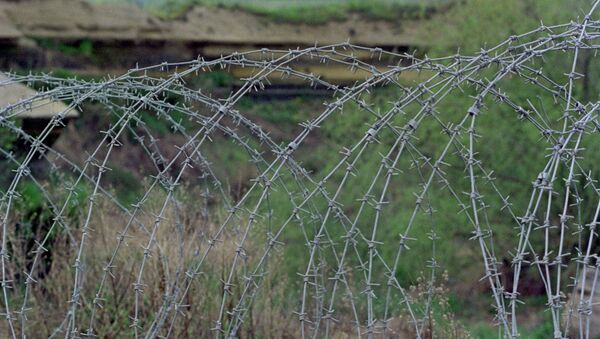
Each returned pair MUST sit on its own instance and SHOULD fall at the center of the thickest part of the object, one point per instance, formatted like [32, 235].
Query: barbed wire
[353, 245]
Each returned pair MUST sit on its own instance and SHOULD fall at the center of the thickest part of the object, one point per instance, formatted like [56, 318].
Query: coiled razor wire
[351, 249]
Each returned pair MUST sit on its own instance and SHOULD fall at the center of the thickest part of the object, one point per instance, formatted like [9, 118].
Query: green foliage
[391, 11]
[84, 47]
[33, 203]
[8, 139]
[510, 147]
[474, 24]
[8, 142]
[309, 12]
[211, 80]
[127, 186]
[156, 123]
[32, 197]
[218, 79]
[299, 14]
[286, 114]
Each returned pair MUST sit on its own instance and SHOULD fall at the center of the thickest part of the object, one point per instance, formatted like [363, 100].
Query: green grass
[309, 11]
[84, 47]
[515, 169]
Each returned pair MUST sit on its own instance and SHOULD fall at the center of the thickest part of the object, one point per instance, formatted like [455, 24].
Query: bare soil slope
[76, 19]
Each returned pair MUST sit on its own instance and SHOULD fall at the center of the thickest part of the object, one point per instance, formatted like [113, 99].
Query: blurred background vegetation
[447, 27]
[307, 11]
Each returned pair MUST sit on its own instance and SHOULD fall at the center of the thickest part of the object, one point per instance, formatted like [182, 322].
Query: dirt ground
[76, 19]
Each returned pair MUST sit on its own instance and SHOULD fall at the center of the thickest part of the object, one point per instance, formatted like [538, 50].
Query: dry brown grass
[180, 241]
